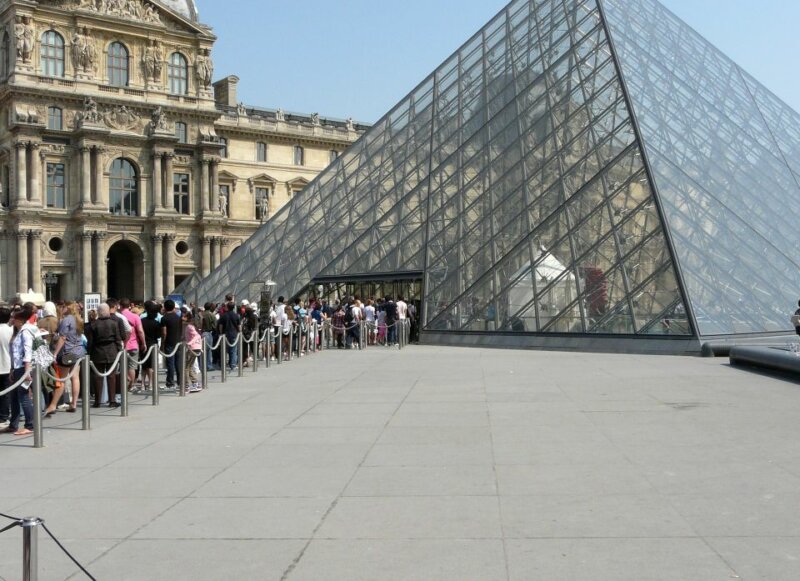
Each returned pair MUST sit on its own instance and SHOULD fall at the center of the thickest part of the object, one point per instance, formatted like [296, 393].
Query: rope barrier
[19, 382]
[76, 367]
[113, 368]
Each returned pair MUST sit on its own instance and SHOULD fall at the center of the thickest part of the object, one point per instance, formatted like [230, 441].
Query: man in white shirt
[6, 332]
[369, 317]
[402, 308]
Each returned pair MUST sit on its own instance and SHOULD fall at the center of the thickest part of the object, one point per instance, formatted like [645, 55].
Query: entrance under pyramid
[586, 174]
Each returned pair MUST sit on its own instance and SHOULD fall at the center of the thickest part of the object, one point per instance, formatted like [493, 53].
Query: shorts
[133, 358]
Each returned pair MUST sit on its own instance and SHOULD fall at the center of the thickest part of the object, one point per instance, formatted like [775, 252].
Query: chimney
[225, 91]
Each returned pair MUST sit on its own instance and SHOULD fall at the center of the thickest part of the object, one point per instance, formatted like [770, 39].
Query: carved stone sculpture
[280, 115]
[223, 204]
[122, 118]
[204, 68]
[153, 61]
[23, 32]
[158, 121]
[315, 119]
[351, 126]
[263, 206]
[241, 110]
[89, 115]
[84, 51]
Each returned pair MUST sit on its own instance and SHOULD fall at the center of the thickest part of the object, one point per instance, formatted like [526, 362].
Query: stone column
[218, 251]
[226, 248]
[22, 175]
[22, 261]
[204, 185]
[86, 261]
[214, 186]
[36, 260]
[158, 270]
[168, 171]
[100, 264]
[205, 267]
[86, 176]
[169, 266]
[35, 166]
[98, 198]
[157, 182]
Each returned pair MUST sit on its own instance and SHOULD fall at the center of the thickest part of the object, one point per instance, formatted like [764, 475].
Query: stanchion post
[279, 340]
[240, 352]
[86, 379]
[156, 355]
[204, 364]
[36, 392]
[291, 341]
[181, 354]
[268, 348]
[30, 548]
[123, 384]
[255, 347]
[223, 356]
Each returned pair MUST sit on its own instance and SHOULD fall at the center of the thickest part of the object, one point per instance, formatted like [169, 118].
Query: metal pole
[30, 548]
[280, 345]
[36, 391]
[204, 364]
[181, 354]
[291, 341]
[156, 358]
[255, 347]
[123, 384]
[86, 378]
[223, 356]
[268, 347]
[240, 349]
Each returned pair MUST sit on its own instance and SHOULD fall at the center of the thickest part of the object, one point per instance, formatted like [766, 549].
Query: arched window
[181, 132]
[55, 118]
[224, 151]
[299, 155]
[123, 189]
[52, 54]
[178, 74]
[117, 65]
[5, 56]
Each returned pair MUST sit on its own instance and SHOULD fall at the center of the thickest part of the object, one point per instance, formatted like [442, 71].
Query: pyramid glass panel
[588, 168]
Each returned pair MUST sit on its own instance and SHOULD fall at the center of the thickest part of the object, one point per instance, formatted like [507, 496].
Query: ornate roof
[185, 8]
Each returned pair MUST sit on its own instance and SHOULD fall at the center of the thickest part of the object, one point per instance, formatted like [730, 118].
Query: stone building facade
[124, 168]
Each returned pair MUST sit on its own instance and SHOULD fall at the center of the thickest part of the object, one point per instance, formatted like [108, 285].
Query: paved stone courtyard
[426, 464]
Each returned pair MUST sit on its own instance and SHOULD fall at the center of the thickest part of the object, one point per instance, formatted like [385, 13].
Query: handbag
[41, 352]
[67, 359]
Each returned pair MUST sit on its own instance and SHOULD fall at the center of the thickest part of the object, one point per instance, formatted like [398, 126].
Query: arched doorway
[126, 271]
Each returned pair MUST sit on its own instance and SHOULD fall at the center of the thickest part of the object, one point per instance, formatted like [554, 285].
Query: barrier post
[269, 347]
[30, 548]
[86, 378]
[123, 384]
[204, 364]
[291, 341]
[36, 392]
[181, 354]
[223, 356]
[156, 358]
[279, 339]
[255, 347]
[240, 351]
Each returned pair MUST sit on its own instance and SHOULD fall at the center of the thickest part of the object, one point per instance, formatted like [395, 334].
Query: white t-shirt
[6, 332]
[356, 312]
[402, 310]
[369, 313]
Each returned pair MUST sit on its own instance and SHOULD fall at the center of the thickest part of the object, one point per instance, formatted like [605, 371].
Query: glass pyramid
[577, 167]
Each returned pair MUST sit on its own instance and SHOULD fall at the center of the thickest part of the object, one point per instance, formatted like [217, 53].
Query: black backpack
[348, 314]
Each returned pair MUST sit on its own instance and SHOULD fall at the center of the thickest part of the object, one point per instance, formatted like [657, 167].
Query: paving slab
[462, 464]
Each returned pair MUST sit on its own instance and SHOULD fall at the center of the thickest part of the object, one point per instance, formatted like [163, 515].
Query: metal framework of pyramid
[576, 169]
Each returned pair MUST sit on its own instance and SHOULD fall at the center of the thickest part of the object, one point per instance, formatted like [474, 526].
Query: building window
[334, 155]
[178, 74]
[5, 56]
[52, 54]
[224, 151]
[180, 191]
[262, 203]
[299, 155]
[225, 200]
[123, 189]
[56, 186]
[118, 65]
[181, 132]
[55, 119]
[261, 152]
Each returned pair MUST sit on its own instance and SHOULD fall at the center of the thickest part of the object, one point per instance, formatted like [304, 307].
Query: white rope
[19, 382]
[76, 367]
[111, 370]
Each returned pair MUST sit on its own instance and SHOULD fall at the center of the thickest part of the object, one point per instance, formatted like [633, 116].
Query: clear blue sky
[358, 58]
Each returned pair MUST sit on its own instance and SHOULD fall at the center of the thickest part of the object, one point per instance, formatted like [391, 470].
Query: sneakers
[63, 407]
[4, 425]
[194, 388]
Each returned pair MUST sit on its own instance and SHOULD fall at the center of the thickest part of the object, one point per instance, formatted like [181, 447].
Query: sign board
[178, 300]
[91, 301]
[265, 304]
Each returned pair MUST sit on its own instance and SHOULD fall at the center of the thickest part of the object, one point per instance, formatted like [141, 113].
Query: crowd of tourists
[175, 334]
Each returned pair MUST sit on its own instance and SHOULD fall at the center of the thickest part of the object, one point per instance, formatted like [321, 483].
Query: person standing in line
[21, 360]
[208, 322]
[369, 317]
[6, 333]
[391, 321]
[151, 328]
[194, 346]
[171, 333]
[230, 325]
[69, 348]
[135, 345]
[105, 343]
